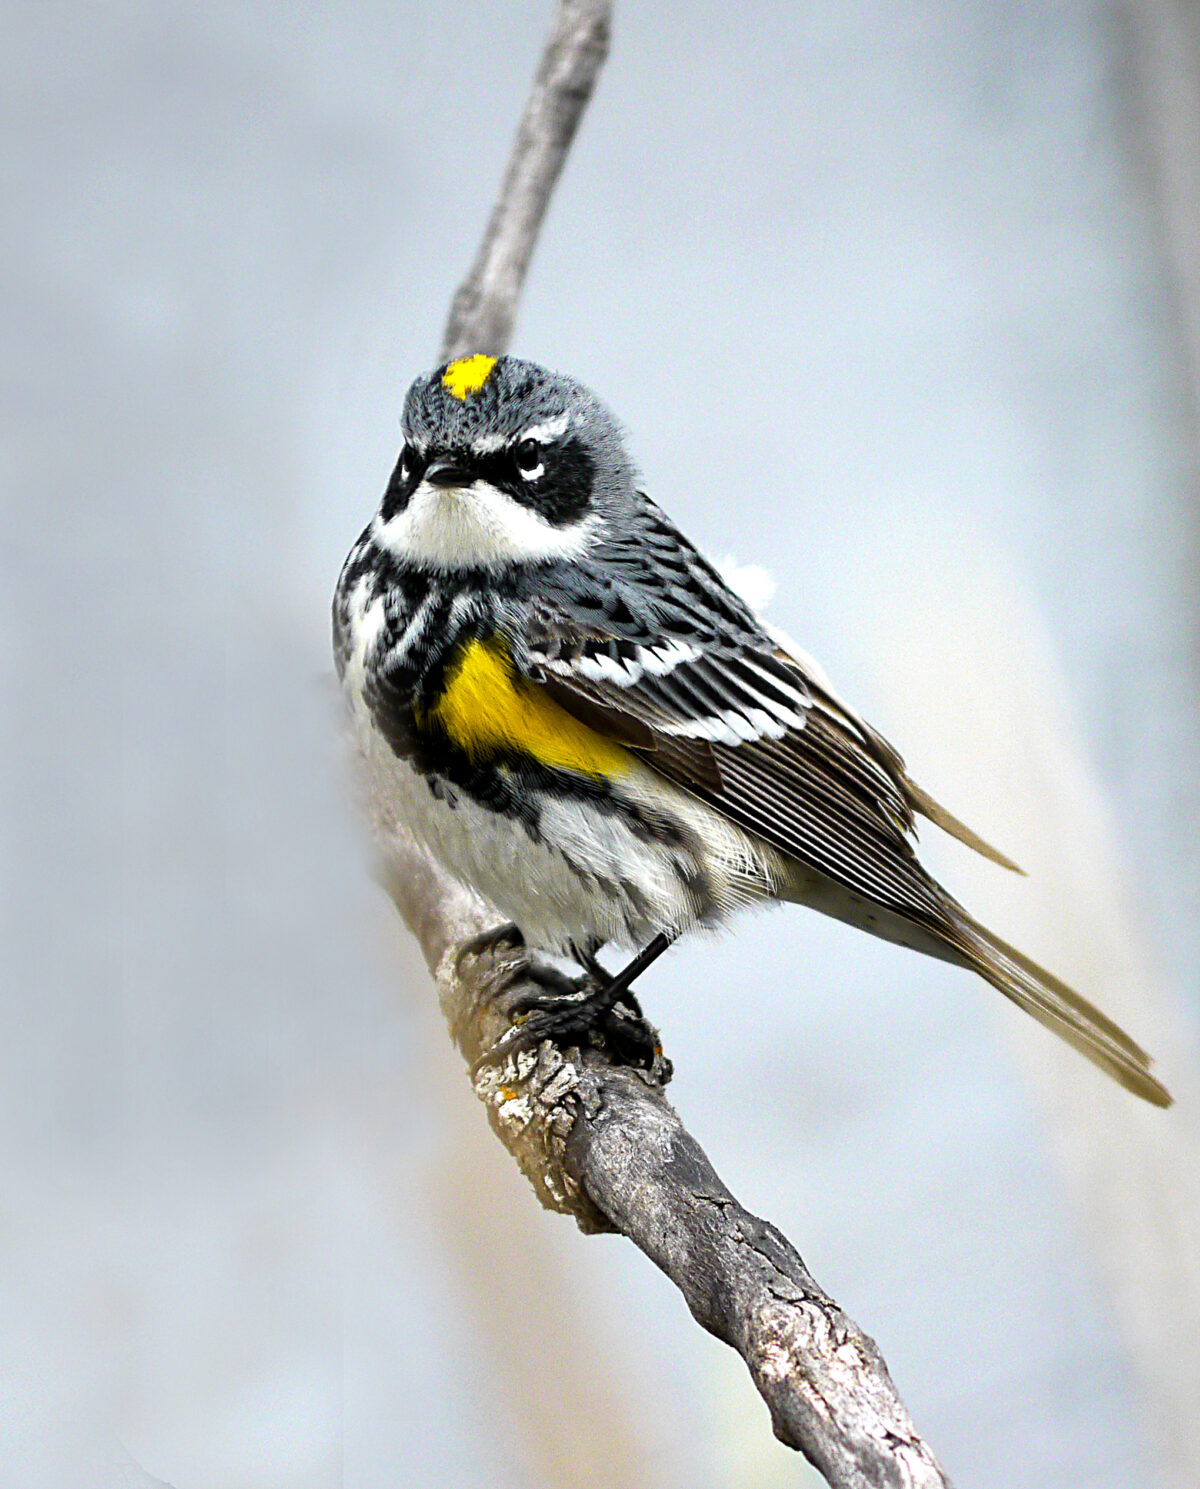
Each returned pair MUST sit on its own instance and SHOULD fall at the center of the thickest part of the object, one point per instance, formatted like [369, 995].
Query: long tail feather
[922, 802]
[925, 804]
[1061, 1009]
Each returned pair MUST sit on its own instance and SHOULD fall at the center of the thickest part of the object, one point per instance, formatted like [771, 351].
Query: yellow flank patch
[467, 375]
[487, 710]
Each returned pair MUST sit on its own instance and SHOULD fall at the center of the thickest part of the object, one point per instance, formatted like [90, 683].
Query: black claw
[631, 1038]
[583, 1014]
[598, 1009]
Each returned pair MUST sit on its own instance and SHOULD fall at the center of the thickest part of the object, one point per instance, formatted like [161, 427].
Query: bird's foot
[582, 1012]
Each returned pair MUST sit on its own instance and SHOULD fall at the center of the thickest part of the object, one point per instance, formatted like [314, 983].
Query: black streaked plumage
[577, 715]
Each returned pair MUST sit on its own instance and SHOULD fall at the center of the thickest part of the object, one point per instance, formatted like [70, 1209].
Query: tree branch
[599, 1141]
[485, 305]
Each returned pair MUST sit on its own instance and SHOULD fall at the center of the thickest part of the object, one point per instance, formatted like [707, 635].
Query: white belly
[589, 874]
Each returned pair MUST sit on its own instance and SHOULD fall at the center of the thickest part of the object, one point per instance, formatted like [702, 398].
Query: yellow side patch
[467, 375]
[486, 710]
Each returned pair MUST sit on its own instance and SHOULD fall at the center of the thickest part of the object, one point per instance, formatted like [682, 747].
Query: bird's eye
[528, 458]
[407, 461]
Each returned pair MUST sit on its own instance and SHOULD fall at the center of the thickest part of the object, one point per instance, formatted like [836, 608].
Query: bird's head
[503, 463]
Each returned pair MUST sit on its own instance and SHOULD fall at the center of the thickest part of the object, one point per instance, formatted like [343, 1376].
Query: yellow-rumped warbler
[566, 704]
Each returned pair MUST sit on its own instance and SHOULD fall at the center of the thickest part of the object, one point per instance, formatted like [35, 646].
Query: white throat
[477, 525]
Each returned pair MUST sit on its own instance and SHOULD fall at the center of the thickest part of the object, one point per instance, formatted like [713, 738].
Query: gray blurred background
[899, 300]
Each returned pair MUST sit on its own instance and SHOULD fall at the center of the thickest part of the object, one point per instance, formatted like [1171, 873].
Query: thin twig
[599, 1141]
[485, 305]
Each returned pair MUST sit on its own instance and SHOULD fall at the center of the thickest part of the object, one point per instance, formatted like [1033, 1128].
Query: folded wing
[747, 728]
[741, 725]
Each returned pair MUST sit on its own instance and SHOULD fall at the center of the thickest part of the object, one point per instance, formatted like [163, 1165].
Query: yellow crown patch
[467, 375]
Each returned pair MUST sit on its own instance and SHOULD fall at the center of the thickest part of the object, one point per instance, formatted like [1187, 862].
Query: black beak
[448, 472]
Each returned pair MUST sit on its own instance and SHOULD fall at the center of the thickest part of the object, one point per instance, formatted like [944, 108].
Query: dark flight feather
[815, 783]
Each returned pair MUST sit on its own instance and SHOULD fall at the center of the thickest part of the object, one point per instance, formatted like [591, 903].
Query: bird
[562, 700]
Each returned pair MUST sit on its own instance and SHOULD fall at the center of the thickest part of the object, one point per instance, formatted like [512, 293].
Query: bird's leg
[649, 954]
[584, 952]
[593, 1008]
[585, 955]
[506, 936]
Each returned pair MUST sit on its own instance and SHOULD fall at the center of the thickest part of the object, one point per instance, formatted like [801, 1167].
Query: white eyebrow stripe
[543, 434]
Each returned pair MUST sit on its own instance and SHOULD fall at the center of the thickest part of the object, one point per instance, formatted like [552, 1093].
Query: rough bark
[599, 1141]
